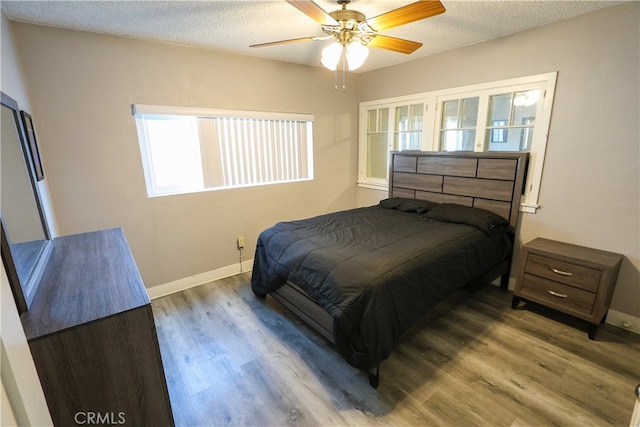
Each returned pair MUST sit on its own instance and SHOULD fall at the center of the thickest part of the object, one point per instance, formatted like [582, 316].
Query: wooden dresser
[91, 332]
[573, 279]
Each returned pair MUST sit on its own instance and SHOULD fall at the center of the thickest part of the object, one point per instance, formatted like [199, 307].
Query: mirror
[25, 236]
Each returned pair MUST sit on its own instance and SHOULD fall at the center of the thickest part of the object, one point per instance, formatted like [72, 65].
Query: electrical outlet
[240, 242]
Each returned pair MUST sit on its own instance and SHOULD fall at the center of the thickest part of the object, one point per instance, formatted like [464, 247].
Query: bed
[365, 278]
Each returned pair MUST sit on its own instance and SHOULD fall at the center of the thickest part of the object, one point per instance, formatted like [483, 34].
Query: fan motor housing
[348, 18]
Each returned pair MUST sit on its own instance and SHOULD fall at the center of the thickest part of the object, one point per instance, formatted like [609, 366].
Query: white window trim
[431, 126]
[168, 110]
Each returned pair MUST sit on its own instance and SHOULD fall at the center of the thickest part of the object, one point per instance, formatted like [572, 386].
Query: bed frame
[493, 181]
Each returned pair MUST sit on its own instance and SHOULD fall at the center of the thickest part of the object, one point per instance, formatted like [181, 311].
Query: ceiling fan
[353, 32]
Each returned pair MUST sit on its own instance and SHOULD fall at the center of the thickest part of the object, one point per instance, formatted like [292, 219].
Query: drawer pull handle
[556, 294]
[560, 272]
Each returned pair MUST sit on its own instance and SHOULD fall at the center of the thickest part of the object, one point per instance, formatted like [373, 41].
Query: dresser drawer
[554, 294]
[564, 272]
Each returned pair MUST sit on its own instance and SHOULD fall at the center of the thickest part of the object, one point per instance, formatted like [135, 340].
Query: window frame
[433, 102]
[207, 146]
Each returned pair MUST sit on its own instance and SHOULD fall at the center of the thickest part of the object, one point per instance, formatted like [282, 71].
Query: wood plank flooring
[233, 359]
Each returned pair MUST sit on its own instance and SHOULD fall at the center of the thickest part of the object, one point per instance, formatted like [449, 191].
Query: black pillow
[480, 218]
[408, 205]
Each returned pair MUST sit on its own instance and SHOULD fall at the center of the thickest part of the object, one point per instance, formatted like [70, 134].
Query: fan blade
[394, 44]
[406, 14]
[301, 39]
[313, 11]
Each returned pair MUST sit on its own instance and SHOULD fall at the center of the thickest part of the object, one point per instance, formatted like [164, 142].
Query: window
[511, 120]
[408, 131]
[458, 124]
[393, 127]
[508, 115]
[377, 129]
[190, 149]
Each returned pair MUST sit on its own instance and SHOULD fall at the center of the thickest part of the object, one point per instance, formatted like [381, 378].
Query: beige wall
[590, 192]
[82, 86]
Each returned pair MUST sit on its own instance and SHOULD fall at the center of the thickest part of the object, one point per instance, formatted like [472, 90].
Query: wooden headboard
[493, 181]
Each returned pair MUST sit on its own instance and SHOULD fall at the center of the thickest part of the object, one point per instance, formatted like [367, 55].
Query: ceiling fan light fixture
[357, 53]
[354, 33]
[331, 55]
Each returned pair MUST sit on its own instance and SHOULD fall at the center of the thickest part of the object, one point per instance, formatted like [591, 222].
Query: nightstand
[575, 280]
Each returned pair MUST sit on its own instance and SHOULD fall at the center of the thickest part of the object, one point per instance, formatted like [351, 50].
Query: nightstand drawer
[574, 279]
[564, 272]
[557, 294]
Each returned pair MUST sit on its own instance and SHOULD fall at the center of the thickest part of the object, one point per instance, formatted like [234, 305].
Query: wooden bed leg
[504, 281]
[374, 378]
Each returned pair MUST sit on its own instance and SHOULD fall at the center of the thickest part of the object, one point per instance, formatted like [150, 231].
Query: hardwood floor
[233, 359]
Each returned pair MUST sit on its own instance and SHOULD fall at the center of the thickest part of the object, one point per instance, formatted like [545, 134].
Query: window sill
[529, 208]
[373, 186]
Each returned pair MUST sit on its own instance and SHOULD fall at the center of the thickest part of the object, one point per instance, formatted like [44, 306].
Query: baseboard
[624, 321]
[199, 279]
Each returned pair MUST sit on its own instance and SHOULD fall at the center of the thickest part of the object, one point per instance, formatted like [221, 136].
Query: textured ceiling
[233, 25]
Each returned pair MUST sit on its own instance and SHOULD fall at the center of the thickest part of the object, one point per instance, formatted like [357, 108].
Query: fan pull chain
[344, 76]
[343, 57]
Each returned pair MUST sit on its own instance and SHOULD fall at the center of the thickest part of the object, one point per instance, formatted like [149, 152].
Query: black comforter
[376, 270]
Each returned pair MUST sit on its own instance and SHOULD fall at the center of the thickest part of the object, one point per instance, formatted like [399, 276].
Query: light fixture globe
[331, 55]
[357, 53]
